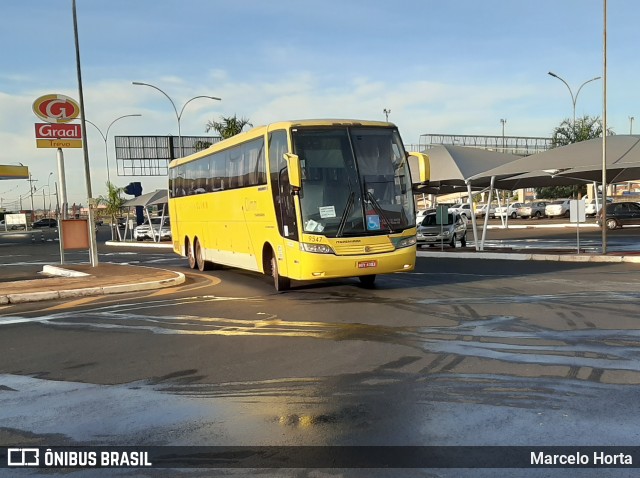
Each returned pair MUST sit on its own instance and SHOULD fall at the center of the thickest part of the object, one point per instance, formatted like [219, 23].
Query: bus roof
[260, 130]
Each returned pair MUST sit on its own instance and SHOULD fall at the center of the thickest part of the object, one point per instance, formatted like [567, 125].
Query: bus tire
[368, 281]
[191, 255]
[202, 264]
[281, 283]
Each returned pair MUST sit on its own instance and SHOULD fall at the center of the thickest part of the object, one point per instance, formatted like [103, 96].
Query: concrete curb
[21, 298]
[531, 257]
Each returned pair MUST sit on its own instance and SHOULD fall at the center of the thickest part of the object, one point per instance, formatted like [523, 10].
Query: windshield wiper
[378, 209]
[345, 214]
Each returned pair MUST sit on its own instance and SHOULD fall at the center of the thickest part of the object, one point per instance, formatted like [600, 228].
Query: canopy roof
[450, 166]
[159, 196]
[574, 163]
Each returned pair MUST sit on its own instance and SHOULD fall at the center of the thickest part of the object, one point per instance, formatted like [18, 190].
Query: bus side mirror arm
[295, 170]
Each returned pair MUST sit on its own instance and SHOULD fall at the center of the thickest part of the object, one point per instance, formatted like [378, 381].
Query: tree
[228, 126]
[587, 127]
[113, 202]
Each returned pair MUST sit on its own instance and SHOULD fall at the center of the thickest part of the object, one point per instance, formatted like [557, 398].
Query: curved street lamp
[178, 115]
[574, 99]
[106, 135]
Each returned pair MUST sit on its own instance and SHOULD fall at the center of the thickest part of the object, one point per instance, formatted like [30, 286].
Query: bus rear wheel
[202, 264]
[191, 255]
[281, 283]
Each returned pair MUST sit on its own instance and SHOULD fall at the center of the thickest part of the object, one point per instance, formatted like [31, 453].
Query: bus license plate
[366, 264]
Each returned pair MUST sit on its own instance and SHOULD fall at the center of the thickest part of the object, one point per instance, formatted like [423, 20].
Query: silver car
[533, 209]
[558, 208]
[158, 230]
[431, 233]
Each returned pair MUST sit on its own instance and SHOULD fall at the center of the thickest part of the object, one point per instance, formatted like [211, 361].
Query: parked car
[45, 222]
[511, 210]
[421, 213]
[532, 209]
[481, 210]
[557, 208]
[461, 208]
[620, 214]
[157, 228]
[431, 233]
[590, 206]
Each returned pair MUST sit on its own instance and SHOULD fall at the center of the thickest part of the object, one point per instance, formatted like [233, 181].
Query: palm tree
[228, 126]
[113, 202]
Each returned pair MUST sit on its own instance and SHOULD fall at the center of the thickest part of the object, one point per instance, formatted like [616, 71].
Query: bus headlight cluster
[405, 242]
[316, 248]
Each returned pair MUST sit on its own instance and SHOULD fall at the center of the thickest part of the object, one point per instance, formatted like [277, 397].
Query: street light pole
[178, 115]
[105, 137]
[574, 99]
[386, 114]
[503, 121]
[631, 118]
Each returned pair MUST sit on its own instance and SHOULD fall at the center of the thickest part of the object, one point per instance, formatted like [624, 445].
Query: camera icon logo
[23, 457]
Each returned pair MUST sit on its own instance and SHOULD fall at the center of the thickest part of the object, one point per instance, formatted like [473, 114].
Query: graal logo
[23, 457]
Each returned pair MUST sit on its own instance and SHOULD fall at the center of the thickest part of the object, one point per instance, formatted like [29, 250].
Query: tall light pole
[105, 136]
[386, 112]
[178, 115]
[503, 121]
[631, 118]
[574, 99]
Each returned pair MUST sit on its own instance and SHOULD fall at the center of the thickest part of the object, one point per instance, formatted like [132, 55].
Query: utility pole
[31, 181]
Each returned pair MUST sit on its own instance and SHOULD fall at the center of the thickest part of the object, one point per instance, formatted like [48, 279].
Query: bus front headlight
[316, 248]
[405, 242]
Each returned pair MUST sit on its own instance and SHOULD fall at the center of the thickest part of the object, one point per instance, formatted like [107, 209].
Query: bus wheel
[191, 256]
[368, 281]
[280, 282]
[202, 264]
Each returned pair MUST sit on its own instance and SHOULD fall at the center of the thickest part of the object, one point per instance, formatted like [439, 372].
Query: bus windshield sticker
[373, 222]
[327, 211]
[313, 226]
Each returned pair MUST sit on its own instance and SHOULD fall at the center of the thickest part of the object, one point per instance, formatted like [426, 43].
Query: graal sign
[57, 110]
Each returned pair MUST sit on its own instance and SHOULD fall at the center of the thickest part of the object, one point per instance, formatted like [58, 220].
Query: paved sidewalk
[78, 280]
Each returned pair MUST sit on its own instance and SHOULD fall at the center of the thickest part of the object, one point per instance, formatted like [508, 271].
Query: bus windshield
[355, 181]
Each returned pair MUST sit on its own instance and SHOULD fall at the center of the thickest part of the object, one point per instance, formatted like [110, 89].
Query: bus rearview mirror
[295, 171]
[419, 167]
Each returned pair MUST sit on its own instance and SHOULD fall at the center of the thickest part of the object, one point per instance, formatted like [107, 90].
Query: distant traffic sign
[56, 108]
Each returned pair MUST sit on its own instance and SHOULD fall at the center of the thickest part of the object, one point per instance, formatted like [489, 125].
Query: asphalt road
[457, 352]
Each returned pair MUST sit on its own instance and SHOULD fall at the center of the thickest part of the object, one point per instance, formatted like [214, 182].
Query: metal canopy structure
[450, 167]
[159, 196]
[577, 162]
[517, 145]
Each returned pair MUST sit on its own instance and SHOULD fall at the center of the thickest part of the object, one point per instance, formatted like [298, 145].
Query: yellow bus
[301, 200]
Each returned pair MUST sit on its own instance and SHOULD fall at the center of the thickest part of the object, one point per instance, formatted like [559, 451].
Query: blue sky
[439, 66]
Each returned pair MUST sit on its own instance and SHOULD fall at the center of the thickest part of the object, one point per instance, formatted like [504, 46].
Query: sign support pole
[62, 195]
